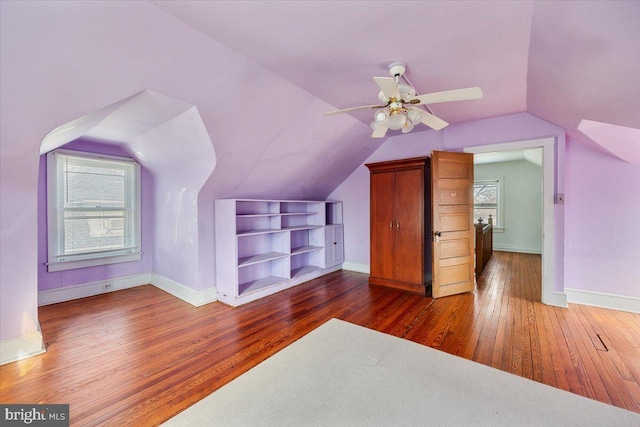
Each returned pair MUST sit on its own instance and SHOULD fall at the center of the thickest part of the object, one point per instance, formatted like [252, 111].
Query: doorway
[548, 212]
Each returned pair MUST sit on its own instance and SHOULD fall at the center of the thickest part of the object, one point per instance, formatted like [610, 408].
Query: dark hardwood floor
[139, 356]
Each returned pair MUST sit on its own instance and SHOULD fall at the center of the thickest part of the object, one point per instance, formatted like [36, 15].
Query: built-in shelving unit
[265, 246]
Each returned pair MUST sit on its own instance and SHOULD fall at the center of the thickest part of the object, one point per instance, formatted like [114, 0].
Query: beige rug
[345, 375]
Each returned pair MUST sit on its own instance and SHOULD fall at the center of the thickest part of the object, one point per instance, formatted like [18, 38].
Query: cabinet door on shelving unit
[338, 244]
[334, 248]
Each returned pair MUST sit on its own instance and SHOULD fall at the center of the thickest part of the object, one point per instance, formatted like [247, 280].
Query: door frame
[548, 146]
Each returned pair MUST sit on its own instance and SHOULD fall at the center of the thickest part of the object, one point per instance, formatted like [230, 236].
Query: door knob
[438, 235]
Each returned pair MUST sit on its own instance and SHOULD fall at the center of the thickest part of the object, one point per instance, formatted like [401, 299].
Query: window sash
[497, 217]
[82, 203]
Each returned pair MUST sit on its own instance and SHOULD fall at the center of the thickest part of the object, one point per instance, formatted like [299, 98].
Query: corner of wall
[23, 347]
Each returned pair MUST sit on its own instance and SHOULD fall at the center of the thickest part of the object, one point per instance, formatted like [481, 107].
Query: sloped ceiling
[562, 61]
[333, 49]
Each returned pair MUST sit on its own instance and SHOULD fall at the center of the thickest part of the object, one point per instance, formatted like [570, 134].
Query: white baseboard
[84, 290]
[516, 248]
[559, 299]
[68, 293]
[356, 266]
[193, 297]
[603, 300]
[23, 347]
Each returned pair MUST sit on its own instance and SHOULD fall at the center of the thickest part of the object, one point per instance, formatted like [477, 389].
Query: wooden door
[409, 229]
[452, 223]
[382, 224]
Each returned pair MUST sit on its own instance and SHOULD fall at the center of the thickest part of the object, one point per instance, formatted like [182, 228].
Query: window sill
[93, 262]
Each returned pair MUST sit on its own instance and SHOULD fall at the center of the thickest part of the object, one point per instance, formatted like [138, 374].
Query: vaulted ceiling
[562, 61]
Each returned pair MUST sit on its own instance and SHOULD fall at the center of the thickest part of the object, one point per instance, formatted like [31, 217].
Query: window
[93, 210]
[487, 201]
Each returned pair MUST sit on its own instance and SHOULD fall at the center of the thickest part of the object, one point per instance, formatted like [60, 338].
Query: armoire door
[409, 231]
[382, 226]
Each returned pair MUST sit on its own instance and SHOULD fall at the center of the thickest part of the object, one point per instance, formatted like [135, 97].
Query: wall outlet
[107, 286]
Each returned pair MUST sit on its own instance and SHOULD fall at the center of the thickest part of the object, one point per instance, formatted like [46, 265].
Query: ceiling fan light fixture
[408, 127]
[414, 115]
[381, 115]
[397, 119]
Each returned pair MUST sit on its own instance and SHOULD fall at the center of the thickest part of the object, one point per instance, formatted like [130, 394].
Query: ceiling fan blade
[448, 95]
[388, 86]
[430, 120]
[346, 110]
[380, 131]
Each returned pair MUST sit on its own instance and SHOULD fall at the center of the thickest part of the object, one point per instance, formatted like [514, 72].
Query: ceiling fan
[397, 110]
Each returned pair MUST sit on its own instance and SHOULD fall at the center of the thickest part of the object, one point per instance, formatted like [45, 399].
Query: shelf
[256, 285]
[298, 213]
[257, 215]
[297, 272]
[255, 259]
[265, 231]
[301, 227]
[305, 249]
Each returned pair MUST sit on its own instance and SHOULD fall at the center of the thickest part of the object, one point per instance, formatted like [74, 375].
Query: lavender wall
[66, 278]
[602, 212]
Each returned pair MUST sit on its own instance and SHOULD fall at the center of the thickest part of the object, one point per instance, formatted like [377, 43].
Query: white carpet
[346, 375]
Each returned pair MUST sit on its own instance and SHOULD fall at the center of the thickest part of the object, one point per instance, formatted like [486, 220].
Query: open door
[452, 223]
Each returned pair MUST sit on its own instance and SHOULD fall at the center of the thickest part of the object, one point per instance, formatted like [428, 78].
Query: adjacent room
[261, 205]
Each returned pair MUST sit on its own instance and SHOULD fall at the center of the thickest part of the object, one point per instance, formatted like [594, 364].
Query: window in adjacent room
[487, 201]
[93, 210]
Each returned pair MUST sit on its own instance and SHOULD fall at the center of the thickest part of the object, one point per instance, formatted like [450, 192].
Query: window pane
[484, 214]
[486, 199]
[91, 183]
[485, 193]
[91, 231]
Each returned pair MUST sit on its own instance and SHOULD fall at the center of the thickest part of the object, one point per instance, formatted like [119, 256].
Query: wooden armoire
[401, 224]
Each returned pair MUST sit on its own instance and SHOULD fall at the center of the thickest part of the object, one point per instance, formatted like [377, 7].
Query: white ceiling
[533, 156]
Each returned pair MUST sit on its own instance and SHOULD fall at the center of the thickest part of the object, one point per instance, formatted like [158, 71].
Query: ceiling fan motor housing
[397, 69]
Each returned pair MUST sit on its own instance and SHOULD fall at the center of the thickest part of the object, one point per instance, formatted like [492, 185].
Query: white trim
[357, 266]
[53, 266]
[548, 198]
[280, 286]
[68, 293]
[603, 300]
[23, 347]
[185, 293]
[559, 299]
[516, 248]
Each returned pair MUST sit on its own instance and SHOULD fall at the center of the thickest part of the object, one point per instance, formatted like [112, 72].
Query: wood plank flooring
[139, 356]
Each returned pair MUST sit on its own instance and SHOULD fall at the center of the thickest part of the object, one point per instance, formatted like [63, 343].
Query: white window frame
[498, 224]
[57, 260]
